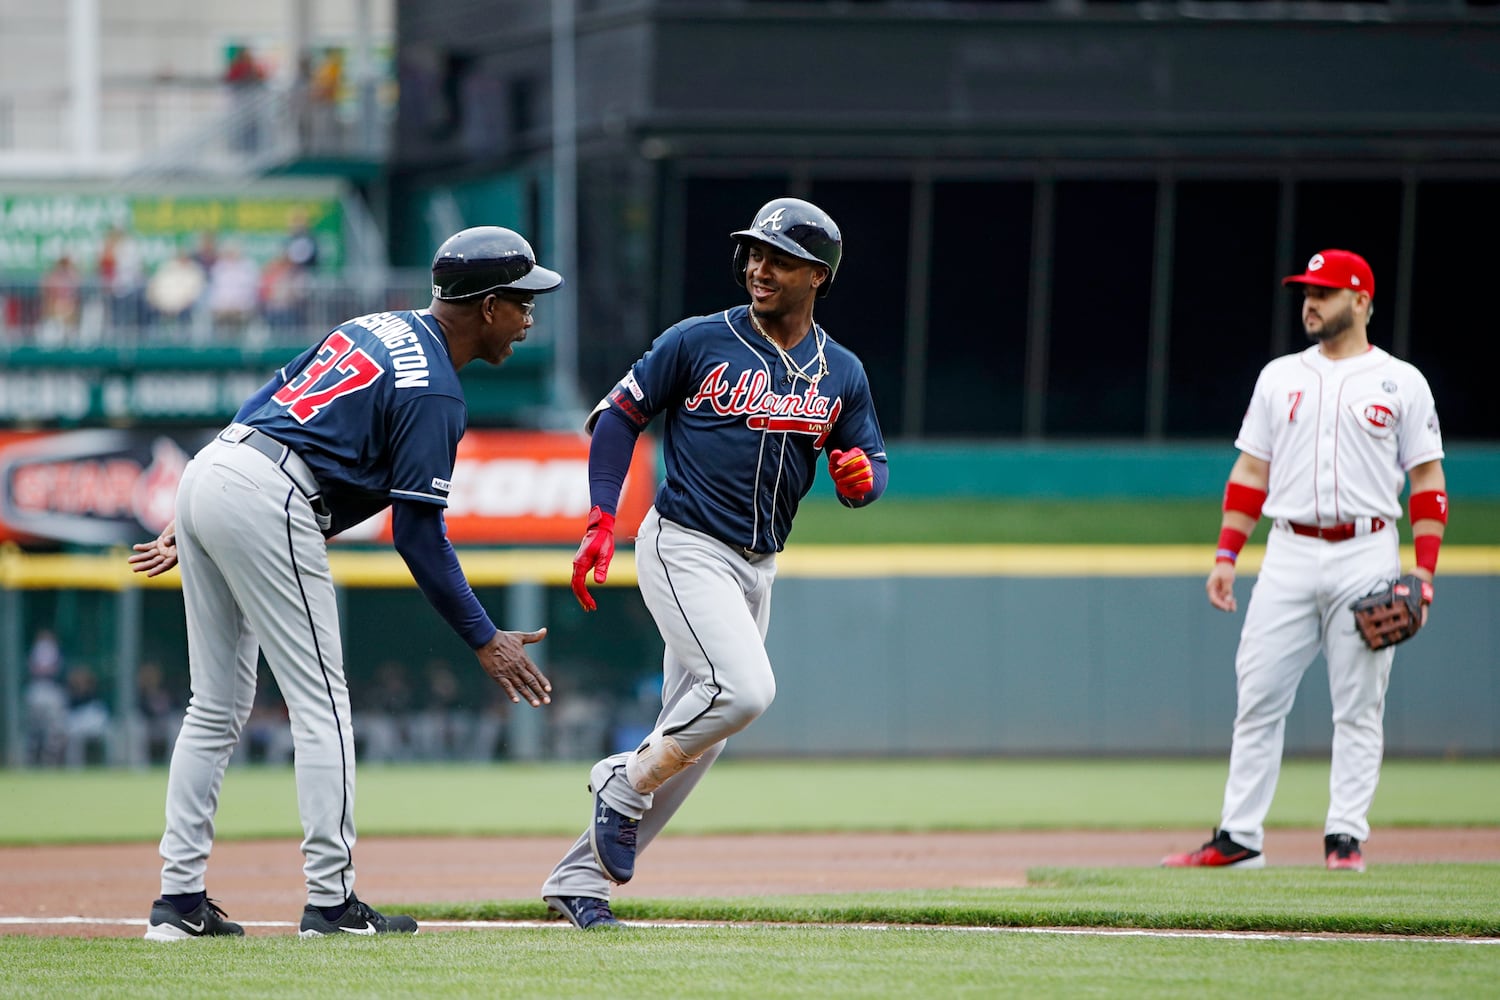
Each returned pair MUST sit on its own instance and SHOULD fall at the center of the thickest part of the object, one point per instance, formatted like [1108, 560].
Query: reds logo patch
[1376, 416]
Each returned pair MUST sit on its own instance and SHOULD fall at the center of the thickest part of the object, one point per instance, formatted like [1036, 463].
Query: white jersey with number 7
[1340, 435]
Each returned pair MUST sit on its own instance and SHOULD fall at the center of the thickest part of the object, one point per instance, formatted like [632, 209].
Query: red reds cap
[1336, 269]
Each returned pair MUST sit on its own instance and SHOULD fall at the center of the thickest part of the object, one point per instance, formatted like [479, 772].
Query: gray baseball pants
[712, 606]
[255, 576]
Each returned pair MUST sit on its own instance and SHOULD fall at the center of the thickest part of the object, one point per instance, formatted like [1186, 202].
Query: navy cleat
[612, 836]
[585, 912]
[206, 920]
[360, 919]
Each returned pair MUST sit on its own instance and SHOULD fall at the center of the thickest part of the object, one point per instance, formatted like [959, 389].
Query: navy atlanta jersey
[743, 432]
[376, 410]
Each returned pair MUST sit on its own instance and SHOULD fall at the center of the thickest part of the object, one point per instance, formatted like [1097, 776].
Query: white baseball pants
[1299, 605]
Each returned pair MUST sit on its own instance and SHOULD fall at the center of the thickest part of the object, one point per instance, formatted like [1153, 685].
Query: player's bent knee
[745, 706]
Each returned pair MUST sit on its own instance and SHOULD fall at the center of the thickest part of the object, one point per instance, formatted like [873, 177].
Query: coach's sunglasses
[525, 305]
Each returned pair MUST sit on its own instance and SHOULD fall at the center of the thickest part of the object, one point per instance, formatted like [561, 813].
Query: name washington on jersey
[407, 356]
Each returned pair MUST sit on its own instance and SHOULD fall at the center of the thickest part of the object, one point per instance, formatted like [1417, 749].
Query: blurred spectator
[160, 713]
[173, 290]
[438, 729]
[122, 276]
[323, 95]
[580, 725]
[301, 244]
[233, 292]
[380, 721]
[206, 254]
[301, 94]
[487, 740]
[283, 295]
[61, 301]
[246, 80]
[89, 732]
[45, 701]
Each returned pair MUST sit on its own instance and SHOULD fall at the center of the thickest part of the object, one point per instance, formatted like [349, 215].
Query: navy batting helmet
[793, 226]
[487, 259]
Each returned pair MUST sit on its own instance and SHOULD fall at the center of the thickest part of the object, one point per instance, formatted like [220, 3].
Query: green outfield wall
[878, 650]
[1103, 469]
[1083, 665]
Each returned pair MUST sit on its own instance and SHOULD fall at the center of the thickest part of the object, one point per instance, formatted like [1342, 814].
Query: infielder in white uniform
[1329, 437]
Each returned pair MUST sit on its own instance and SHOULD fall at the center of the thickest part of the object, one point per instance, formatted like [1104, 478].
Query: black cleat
[207, 920]
[358, 919]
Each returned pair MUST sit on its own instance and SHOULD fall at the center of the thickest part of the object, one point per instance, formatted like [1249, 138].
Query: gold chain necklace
[794, 371]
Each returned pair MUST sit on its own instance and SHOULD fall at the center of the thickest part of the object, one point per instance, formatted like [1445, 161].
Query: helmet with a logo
[796, 227]
[485, 259]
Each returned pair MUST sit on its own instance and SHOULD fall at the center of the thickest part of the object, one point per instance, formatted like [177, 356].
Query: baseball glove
[1392, 613]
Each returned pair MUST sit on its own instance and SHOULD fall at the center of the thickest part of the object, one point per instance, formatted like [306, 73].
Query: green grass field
[749, 961]
[1296, 930]
[755, 797]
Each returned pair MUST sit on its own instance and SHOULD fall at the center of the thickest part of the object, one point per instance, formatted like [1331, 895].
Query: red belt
[1334, 532]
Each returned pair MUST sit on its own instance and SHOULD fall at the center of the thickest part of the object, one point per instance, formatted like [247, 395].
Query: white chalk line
[76, 921]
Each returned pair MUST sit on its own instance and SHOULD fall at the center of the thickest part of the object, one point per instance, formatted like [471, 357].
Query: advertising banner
[36, 230]
[117, 487]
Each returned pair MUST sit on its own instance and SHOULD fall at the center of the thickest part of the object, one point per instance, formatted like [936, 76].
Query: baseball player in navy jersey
[1329, 438]
[368, 418]
[751, 398]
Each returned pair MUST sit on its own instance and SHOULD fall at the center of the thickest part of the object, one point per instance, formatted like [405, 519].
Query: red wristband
[1429, 505]
[1427, 551]
[1244, 499]
[1231, 540]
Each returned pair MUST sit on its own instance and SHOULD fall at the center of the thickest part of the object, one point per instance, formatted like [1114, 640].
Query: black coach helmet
[793, 226]
[487, 259]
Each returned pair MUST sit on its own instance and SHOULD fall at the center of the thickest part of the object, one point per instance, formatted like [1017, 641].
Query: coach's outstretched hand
[504, 659]
[158, 555]
[594, 552]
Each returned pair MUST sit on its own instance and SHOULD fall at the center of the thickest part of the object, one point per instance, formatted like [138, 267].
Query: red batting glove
[851, 472]
[594, 552]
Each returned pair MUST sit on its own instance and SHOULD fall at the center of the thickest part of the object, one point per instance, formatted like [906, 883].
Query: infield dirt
[262, 880]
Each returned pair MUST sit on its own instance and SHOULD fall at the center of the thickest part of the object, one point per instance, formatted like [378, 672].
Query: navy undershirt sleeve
[610, 452]
[882, 474]
[422, 539]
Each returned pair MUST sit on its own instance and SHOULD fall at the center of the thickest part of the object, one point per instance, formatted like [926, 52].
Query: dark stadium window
[1225, 291]
[1359, 215]
[977, 309]
[715, 207]
[1449, 339]
[1100, 310]
[521, 98]
[866, 308]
